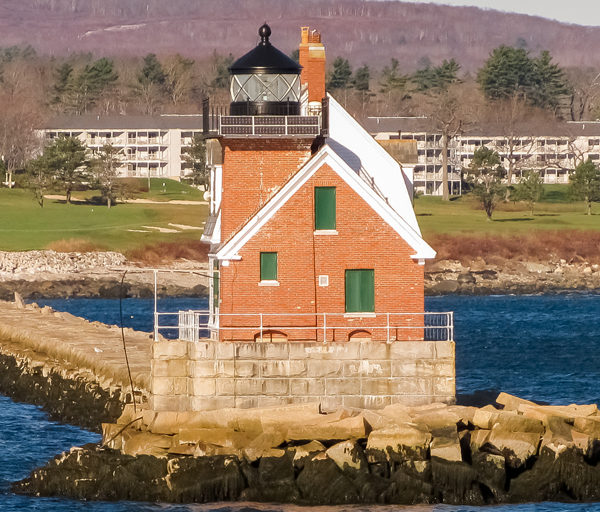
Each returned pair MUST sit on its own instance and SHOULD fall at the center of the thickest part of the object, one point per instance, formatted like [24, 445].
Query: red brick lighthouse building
[313, 234]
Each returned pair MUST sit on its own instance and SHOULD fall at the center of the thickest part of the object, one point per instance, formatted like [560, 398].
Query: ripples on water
[538, 347]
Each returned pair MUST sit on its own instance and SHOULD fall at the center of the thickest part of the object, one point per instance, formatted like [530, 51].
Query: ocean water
[545, 348]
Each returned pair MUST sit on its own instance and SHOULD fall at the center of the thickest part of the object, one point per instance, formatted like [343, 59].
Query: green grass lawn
[160, 190]
[464, 215]
[24, 225]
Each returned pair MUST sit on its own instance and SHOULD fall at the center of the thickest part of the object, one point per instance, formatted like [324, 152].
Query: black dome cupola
[265, 81]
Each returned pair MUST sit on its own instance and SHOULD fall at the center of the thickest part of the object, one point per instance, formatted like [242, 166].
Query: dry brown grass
[74, 245]
[542, 246]
[165, 252]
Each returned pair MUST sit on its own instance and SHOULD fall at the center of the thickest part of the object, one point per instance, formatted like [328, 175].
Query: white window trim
[268, 283]
[360, 315]
[326, 232]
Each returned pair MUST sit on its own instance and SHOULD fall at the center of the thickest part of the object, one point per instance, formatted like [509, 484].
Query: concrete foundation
[208, 375]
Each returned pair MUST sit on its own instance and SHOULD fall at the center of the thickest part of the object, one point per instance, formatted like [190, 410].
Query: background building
[553, 151]
[151, 146]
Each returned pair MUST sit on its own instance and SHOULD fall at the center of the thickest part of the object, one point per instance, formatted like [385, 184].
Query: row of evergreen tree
[507, 72]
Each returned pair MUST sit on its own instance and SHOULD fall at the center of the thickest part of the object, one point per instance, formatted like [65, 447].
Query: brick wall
[253, 169]
[210, 375]
[312, 59]
[363, 240]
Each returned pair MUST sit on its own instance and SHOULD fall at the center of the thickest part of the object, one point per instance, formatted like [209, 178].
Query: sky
[581, 12]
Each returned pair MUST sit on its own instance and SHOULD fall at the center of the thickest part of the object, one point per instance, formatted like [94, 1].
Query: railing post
[261, 327]
[451, 329]
[388, 327]
[324, 327]
[155, 305]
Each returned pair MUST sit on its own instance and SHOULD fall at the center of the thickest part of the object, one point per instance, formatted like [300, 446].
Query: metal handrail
[190, 322]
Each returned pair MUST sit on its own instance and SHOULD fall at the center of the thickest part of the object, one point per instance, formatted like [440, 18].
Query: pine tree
[550, 83]
[391, 78]
[585, 184]
[66, 160]
[436, 77]
[507, 71]
[195, 155]
[360, 80]
[340, 75]
[510, 72]
[529, 189]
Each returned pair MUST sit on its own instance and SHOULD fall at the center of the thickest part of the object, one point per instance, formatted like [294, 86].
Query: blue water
[539, 347]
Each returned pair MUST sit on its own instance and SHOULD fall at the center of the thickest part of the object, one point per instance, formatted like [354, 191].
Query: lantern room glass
[263, 87]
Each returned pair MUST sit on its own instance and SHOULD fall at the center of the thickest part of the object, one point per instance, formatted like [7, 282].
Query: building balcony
[269, 126]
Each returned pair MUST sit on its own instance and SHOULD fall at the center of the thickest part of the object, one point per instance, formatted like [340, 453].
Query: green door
[360, 291]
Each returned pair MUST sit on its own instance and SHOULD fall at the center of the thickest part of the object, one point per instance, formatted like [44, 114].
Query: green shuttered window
[324, 208]
[360, 291]
[268, 266]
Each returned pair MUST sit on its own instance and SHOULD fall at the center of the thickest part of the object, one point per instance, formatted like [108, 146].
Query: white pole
[155, 305]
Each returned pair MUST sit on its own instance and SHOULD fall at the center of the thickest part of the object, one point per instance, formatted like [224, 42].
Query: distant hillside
[365, 32]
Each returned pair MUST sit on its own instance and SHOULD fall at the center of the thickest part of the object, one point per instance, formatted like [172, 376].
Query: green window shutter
[324, 208]
[268, 266]
[360, 291]
[215, 289]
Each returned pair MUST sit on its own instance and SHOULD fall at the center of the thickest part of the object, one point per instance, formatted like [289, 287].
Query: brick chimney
[312, 60]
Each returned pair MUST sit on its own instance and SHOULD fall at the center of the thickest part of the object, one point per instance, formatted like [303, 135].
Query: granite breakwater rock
[517, 451]
[65, 392]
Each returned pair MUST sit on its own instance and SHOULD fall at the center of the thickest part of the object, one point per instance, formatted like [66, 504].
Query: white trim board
[326, 155]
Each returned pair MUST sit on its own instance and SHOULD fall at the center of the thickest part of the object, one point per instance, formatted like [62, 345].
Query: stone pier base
[208, 375]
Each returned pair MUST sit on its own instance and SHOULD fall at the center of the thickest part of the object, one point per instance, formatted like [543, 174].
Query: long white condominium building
[150, 145]
[553, 151]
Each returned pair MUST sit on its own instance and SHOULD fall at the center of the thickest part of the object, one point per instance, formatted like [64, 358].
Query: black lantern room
[265, 81]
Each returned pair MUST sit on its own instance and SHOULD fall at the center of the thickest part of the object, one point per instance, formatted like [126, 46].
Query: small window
[268, 266]
[324, 208]
[360, 291]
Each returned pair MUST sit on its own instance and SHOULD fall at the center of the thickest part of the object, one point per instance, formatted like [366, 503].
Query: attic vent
[323, 280]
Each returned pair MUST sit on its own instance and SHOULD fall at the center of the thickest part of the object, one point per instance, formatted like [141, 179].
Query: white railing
[192, 325]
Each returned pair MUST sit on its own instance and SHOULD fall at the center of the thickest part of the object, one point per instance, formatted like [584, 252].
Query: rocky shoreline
[46, 274]
[504, 277]
[516, 452]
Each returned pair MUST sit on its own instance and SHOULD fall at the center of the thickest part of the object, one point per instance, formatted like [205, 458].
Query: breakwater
[73, 368]
[518, 452]
[553, 478]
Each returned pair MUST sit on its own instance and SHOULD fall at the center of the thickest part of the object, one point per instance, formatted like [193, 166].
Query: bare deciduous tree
[20, 117]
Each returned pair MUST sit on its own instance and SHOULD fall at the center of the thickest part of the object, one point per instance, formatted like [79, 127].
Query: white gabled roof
[329, 155]
[354, 144]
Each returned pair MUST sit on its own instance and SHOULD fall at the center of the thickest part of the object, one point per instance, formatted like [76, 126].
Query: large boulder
[446, 448]
[274, 481]
[204, 479]
[512, 422]
[145, 443]
[322, 482]
[517, 447]
[215, 436]
[349, 457]
[405, 441]
[348, 428]
[304, 452]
